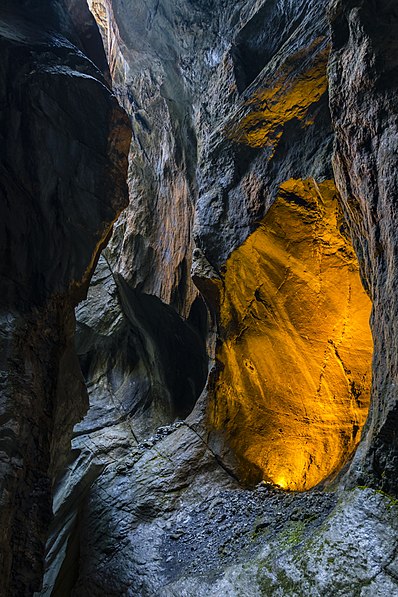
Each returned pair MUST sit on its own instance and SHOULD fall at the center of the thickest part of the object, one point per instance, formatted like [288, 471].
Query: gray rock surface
[141, 361]
[64, 141]
[227, 104]
[164, 518]
[352, 552]
[363, 87]
[228, 101]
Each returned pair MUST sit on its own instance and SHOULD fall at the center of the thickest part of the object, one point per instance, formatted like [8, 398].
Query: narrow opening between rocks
[293, 389]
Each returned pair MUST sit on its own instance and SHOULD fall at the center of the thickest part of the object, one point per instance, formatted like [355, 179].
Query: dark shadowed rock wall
[223, 282]
[363, 84]
[64, 141]
[230, 110]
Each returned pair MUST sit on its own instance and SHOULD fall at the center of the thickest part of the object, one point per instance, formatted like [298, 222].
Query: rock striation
[239, 439]
[293, 388]
[363, 82]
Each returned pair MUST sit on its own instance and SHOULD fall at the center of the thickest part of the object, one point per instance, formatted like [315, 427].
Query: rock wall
[63, 163]
[363, 82]
[293, 390]
[231, 125]
[152, 244]
[245, 119]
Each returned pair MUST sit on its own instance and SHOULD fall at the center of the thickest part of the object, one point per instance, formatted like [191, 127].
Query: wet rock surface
[227, 103]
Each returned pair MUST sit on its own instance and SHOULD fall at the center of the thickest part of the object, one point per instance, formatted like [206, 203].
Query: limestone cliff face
[224, 343]
[63, 163]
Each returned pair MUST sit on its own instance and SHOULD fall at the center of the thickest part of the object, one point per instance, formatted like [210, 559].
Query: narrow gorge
[199, 312]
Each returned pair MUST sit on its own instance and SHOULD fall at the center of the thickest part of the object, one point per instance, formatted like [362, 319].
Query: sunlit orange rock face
[293, 390]
[289, 96]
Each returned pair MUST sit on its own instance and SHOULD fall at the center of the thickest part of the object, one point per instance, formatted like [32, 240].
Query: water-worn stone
[363, 88]
[229, 105]
[64, 142]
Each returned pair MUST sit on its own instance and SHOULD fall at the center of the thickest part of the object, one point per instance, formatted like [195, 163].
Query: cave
[198, 298]
[293, 390]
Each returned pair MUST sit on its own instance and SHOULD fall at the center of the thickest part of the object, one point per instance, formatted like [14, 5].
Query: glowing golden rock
[290, 97]
[293, 391]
